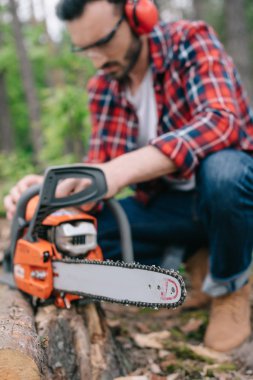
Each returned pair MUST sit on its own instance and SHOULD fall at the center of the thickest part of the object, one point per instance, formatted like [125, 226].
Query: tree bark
[6, 143]
[200, 9]
[28, 83]
[238, 41]
[21, 354]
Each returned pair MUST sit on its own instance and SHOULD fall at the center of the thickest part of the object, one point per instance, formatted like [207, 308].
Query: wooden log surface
[79, 344]
[56, 344]
[21, 354]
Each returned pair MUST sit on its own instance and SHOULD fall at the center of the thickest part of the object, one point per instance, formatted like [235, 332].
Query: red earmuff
[142, 15]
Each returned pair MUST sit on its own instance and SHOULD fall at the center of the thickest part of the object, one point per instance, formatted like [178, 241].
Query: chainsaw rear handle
[48, 203]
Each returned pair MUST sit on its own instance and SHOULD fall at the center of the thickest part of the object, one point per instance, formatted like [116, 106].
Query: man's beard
[131, 58]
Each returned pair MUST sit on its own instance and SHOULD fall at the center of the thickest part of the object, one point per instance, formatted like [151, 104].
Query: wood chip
[154, 368]
[152, 340]
[113, 323]
[132, 378]
[174, 376]
[163, 354]
[207, 352]
[192, 325]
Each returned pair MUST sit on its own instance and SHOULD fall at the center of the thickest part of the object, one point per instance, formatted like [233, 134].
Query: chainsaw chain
[153, 268]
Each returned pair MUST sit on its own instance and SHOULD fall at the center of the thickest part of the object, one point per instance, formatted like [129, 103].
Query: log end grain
[14, 365]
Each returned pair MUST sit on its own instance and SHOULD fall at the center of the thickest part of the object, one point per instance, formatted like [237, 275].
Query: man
[170, 115]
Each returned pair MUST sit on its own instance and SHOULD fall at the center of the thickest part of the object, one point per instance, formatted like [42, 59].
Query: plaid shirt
[201, 105]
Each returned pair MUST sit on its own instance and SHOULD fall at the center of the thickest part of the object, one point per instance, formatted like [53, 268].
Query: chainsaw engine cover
[76, 238]
[73, 233]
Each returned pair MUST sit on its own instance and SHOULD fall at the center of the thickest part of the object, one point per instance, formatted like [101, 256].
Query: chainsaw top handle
[48, 202]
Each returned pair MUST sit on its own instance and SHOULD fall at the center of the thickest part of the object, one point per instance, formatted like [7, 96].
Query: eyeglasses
[101, 42]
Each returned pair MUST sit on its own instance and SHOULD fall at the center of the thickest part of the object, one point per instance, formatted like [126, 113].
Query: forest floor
[167, 344]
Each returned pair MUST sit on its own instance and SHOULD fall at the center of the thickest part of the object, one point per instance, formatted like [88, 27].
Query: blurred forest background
[43, 103]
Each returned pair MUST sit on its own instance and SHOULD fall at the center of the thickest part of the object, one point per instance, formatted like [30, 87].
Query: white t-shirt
[144, 103]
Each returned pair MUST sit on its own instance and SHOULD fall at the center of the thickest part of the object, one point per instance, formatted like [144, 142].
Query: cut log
[79, 344]
[21, 354]
[74, 344]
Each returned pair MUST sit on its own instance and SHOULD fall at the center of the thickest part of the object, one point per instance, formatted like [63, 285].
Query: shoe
[196, 269]
[229, 323]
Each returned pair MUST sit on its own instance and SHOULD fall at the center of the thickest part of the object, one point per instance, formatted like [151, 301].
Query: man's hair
[68, 10]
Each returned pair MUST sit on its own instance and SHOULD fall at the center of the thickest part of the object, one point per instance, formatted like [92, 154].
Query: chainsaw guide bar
[127, 283]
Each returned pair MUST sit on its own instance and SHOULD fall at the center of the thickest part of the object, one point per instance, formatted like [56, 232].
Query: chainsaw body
[43, 232]
[61, 234]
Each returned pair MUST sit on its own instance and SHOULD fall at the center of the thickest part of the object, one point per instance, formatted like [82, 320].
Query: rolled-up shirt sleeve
[208, 80]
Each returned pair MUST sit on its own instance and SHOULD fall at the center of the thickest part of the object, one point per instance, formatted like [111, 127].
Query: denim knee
[220, 179]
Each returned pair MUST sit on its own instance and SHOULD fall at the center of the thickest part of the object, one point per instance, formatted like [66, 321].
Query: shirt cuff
[179, 151]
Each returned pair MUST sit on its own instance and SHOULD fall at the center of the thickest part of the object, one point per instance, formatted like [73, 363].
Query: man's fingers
[9, 204]
[9, 215]
[65, 188]
[82, 185]
[15, 194]
[11, 200]
[71, 186]
[23, 185]
[29, 181]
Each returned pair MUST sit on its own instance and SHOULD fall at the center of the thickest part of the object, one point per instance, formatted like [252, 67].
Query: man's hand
[11, 200]
[75, 185]
[138, 166]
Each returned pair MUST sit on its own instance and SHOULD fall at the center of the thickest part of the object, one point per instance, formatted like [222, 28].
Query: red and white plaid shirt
[201, 105]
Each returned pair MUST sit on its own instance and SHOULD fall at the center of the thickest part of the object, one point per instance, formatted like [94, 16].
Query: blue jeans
[218, 214]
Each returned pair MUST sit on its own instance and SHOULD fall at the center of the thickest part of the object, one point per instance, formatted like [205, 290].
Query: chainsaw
[54, 254]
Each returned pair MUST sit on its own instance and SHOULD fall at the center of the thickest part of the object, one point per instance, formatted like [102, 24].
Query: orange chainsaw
[54, 253]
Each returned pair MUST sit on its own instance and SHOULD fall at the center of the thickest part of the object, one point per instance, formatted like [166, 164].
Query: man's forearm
[138, 166]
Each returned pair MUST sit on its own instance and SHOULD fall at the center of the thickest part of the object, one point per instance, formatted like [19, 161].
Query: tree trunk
[200, 9]
[238, 40]
[28, 83]
[6, 143]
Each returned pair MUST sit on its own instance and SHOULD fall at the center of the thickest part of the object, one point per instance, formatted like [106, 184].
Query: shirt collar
[160, 47]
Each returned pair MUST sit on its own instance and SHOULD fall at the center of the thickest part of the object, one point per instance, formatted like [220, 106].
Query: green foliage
[12, 168]
[10, 66]
[65, 118]
[76, 69]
